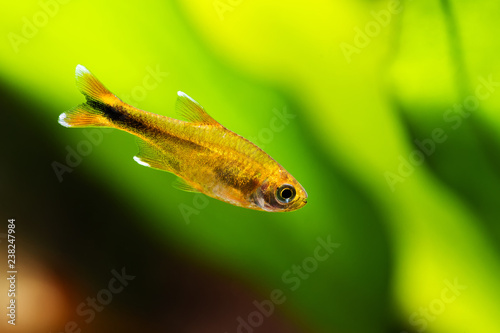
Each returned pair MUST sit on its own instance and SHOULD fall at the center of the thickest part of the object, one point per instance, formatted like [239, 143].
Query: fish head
[280, 193]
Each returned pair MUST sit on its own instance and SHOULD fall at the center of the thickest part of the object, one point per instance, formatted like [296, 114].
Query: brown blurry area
[35, 286]
[71, 235]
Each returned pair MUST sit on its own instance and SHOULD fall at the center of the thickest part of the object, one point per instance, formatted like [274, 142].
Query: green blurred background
[392, 126]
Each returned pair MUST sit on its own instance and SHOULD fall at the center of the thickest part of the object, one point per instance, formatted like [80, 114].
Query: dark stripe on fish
[120, 116]
[232, 177]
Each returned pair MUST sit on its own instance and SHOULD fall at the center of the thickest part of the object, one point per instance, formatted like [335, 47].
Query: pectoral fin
[153, 157]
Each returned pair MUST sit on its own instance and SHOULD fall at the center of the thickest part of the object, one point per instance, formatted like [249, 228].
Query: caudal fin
[83, 116]
[91, 113]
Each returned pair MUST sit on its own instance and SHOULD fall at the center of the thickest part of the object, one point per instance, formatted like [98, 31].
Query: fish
[204, 155]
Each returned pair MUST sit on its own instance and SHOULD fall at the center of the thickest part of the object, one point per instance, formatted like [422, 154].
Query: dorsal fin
[189, 109]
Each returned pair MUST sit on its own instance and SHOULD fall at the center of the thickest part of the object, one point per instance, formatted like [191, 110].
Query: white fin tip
[81, 70]
[183, 94]
[62, 121]
[141, 162]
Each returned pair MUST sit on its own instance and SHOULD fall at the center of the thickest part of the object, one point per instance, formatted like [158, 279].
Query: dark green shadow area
[467, 163]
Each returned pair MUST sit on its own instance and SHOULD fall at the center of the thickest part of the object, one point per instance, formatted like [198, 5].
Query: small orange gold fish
[206, 156]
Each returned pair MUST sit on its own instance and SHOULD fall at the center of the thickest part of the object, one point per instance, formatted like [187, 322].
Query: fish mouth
[303, 203]
[298, 204]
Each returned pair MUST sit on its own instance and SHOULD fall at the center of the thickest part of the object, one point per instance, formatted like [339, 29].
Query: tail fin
[98, 98]
[83, 116]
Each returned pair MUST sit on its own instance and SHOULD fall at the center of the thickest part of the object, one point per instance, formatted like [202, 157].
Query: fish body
[206, 156]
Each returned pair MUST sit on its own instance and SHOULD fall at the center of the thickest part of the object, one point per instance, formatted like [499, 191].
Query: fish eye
[285, 193]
